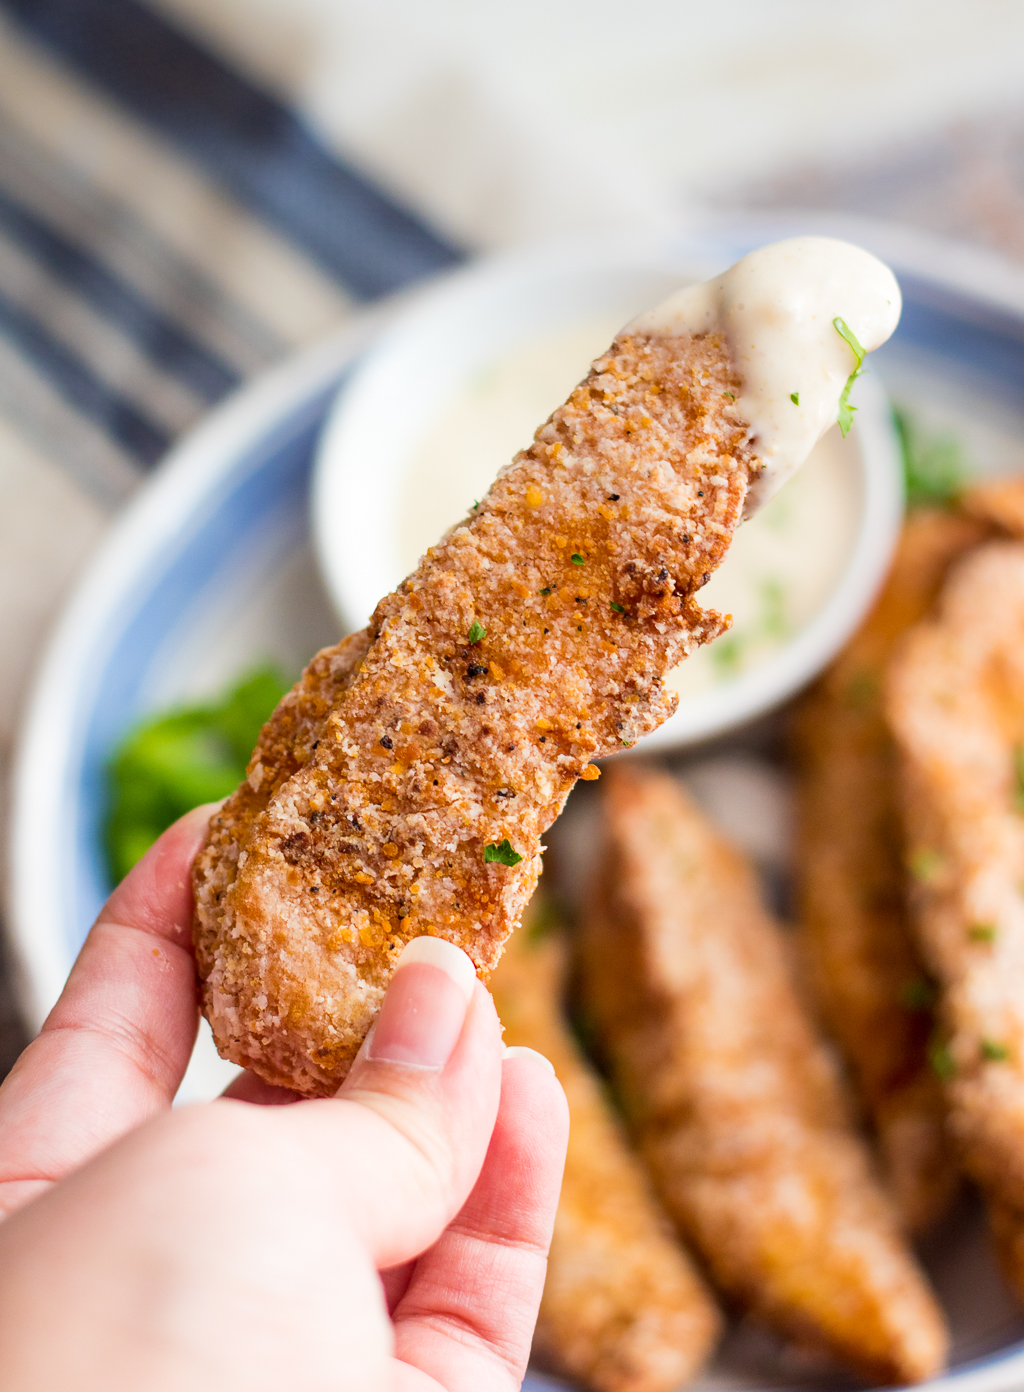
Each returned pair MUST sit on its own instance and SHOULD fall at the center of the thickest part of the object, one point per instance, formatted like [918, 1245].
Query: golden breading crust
[534, 637]
[623, 1309]
[864, 971]
[999, 503]
[733, 1100]
[956, 705]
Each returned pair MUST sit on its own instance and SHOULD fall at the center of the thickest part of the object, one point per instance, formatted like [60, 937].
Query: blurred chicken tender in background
[731, 1097]
[956, 704]
[864, 971]
[624, 1310]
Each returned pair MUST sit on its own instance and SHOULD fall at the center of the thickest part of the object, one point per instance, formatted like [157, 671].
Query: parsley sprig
[846, 411]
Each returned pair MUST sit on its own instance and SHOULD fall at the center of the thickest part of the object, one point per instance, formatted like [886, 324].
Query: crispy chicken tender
[998, 502]
[732, 1098]
[533, 638]
[956, 705]
[624, 1310]
[854, 933]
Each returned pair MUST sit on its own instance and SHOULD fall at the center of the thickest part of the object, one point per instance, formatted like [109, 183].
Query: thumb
[410, 1127]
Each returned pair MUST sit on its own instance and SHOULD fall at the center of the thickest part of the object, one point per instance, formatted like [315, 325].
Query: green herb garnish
[795, 398]
[934, 468]
[941, 1060]
[846, 411]
[727, 653]
[730, 395]
[617, 607]
[925, 864]
[993, 1052]
[773, 609]
[501, 854]
[577, 559]
[982, 932]
[862, 691]
[1018, 778]
[918, 994]
[476, 632]
[172, 763]
[546, 589]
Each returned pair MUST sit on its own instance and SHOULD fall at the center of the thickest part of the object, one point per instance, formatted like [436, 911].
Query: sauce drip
[776, 308]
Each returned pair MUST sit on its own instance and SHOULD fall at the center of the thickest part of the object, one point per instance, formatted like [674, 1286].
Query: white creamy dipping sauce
[778, 309]
[780, 569]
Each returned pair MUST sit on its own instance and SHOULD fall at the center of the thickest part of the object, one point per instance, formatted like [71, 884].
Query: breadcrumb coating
[956, 705]
[533, 638]
[865, 974]
[733, 1100]
[624, 1309]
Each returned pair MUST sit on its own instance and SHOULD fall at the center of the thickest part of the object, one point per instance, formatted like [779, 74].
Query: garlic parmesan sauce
[778, 308]
[782, 564]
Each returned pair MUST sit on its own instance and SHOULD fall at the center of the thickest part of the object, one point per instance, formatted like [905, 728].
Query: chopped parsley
[934, 468]
[861, 692]
[993, 1052]
[727, 653]
[476, 632]
[617, 607]
[846, 411]
[501, 854]
[925, 864]
[773, 609]
[941, 1060]
[982, 932]
[795, 398]
[730, 395]
[1018, 778]
[918, 994]
[577, 559]
[546, 589]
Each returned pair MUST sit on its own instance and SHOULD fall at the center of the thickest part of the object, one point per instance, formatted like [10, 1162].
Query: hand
[394, 1238]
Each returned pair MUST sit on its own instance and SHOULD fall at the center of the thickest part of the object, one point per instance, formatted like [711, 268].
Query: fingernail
[521, 1051]
[425, 1007]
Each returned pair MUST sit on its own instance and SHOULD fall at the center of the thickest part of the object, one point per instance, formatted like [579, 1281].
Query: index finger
[116, 1045]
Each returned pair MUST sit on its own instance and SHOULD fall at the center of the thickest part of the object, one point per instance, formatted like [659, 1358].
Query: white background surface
[505, 121]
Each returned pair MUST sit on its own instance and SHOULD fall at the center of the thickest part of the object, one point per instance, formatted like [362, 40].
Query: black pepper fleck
[386, 741]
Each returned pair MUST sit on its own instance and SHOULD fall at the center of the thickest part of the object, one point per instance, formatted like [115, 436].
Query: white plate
[210, 569]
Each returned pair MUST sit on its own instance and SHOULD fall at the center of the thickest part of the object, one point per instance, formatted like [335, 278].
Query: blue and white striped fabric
[165, 230]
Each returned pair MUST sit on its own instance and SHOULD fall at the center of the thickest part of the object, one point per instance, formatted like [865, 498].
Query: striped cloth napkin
[166, 231]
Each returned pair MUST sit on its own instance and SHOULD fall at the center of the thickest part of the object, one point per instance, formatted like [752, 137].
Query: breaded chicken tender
[956, 706]
[998, 502]
[624, 1310]
[865, 974]
[532, 639]
[732, 1098]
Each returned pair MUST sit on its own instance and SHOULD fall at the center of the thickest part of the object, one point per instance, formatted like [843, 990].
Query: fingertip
[520, 1051]
[438, 952]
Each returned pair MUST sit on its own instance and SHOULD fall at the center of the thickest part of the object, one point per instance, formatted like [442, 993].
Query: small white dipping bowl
[460, 381]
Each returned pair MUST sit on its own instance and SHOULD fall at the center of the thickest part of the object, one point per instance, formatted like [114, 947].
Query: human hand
[393, 1238]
